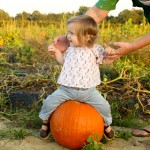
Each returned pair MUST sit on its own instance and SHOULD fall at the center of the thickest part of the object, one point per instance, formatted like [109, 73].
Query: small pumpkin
[73, 122]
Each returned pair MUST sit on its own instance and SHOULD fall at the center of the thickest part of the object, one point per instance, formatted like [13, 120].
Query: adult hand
[122, 48]
[61, 43]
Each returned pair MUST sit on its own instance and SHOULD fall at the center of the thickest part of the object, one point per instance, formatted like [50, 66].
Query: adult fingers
[112, 56]
[115, 44]
[105, 45]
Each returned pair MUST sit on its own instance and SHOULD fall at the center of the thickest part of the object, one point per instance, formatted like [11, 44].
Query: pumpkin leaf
[93, 145]
[90, 139]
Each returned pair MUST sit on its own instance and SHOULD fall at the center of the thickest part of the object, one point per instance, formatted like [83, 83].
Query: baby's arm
[57, 53]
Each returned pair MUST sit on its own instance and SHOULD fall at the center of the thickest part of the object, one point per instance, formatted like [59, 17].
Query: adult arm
[101, 9]
[97, 14]
[125, 47]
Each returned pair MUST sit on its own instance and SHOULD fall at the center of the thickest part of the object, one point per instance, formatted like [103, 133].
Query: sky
[13, 7]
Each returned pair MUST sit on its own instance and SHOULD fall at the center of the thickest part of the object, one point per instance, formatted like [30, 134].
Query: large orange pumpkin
[73, 122]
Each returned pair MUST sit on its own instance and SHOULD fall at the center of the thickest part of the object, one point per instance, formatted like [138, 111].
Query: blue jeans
[90, 96]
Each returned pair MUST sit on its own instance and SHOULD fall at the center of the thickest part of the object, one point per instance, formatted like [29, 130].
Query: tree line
[137, 16]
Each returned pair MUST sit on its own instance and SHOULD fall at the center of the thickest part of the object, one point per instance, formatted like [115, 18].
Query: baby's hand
[52, 50]
[108, 49]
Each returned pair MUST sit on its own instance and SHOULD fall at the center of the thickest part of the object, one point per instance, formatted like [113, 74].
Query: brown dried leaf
[148, 102]
[147, 112]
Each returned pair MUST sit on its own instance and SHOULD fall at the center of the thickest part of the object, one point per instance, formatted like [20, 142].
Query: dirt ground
[35, 143]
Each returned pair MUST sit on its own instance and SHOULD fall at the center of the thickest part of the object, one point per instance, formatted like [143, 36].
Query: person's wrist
[132, 47]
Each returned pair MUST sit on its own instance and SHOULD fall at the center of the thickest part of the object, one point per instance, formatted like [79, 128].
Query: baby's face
[72, 37]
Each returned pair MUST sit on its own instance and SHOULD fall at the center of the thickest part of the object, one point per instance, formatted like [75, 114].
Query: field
[28, 74]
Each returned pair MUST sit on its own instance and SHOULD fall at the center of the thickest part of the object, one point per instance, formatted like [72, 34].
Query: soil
[35, 143]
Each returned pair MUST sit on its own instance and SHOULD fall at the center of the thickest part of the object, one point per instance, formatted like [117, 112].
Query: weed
[123, 134]
[93, 144]
[26, 49]
[3, 102]
[14, 134]
[126, 118]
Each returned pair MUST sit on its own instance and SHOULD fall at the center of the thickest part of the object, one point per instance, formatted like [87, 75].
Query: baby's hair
[85, 29]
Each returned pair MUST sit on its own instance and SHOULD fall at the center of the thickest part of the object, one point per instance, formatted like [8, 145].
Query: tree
[82, 10]
[140, 16]
[112, 19]
[23, 16]
[4, 15]
[135, 15]
[36, 16]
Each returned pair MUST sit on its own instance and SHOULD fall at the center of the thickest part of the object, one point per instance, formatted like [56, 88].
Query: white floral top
[81, 67]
